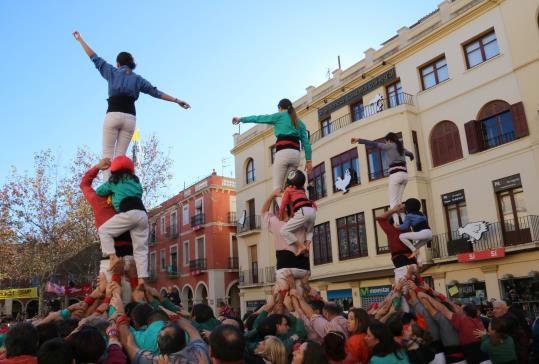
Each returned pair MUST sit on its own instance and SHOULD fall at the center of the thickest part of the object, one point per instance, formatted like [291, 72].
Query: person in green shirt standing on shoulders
[290, 131]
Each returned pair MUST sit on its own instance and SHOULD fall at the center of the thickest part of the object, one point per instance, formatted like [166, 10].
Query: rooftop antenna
[224, 164]
[339, 61]
[328, 74]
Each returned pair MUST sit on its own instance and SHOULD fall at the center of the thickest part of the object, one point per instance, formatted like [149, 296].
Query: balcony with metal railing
[198, 264]
[364, 112]
[251, 224]
[512, 234]
[232, 218]
[233, 263]
[260, 276]
[152, 238]
[197, 220]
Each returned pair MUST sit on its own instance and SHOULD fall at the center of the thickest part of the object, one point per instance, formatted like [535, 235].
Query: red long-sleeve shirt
[103, 211]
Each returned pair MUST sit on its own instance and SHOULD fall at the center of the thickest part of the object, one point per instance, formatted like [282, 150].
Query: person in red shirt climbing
[304, 211]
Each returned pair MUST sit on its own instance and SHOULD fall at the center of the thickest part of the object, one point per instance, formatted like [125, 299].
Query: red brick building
[193, 249]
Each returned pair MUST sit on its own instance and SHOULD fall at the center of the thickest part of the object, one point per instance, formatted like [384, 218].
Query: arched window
[497, 123]
[445, 143]
[250, 171]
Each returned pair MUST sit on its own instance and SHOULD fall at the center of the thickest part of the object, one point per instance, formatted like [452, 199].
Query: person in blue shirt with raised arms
[124, 89]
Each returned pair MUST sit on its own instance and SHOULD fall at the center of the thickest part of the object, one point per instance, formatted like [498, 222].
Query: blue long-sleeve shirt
[417, 222]
[123, 81]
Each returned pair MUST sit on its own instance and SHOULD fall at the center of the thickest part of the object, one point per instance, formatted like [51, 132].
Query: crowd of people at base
[289, 329]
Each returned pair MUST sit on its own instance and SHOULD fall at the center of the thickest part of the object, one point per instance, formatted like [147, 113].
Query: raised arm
[437, 305]
[147, 88]
[267, 204]
[258, 119]
[89, 51]
[370, 143]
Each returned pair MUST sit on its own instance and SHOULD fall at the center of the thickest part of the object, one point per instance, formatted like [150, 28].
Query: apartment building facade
[192, 246]
[460, 87]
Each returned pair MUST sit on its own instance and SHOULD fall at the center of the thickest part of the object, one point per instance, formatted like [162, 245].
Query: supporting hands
[103, 164]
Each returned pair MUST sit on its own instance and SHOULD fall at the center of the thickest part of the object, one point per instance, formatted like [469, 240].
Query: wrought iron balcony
[365, 112]
[258, 276]
[233, 263]
[197, 264]
[232, 218]
[197, 220]
[251, 223]
[152, 238]
[172, 271]
[500, 234]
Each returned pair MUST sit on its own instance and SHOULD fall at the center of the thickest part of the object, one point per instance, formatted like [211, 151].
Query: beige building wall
[511, 76]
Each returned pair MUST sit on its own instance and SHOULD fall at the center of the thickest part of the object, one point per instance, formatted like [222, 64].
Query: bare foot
[301, 250]
[114, 261]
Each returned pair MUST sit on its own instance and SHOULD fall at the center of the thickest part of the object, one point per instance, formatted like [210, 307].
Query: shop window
[317, 182]
[343, 162]
[352, 236]
[395, 96]
[523, 292]
[497, 123]
[357, 111]
[250, 171]
[445, 144]
[481, 49]
[322, 244]
[434, 73]
[475, 293]
[382, 245]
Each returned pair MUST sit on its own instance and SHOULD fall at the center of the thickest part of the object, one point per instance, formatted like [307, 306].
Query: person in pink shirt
[304, 211]
[291, 270]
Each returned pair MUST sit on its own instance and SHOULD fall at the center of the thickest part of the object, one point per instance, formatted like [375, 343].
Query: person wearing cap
[126, 194]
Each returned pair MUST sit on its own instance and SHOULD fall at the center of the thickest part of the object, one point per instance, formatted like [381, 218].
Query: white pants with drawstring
[397, 184]
[118, 130]
[303, 219]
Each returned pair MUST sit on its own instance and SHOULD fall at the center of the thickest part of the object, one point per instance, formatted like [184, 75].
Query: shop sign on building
[453, 197]
[375, 291]
[482, 255]
[18, 293]
[507, 183]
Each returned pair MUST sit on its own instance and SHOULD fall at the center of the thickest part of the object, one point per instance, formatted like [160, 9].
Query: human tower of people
[123, 320]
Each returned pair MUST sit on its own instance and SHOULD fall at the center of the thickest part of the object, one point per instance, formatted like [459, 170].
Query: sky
[226, 58]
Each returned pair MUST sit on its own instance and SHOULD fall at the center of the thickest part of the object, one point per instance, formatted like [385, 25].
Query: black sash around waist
[122, 103]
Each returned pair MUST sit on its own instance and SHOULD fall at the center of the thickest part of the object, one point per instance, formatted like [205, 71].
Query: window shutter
[519, 120]
[473, 136]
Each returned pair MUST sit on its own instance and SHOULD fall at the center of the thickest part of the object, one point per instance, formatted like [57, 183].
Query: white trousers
[118, 130]
[303, 219]
[397, 184]
[126, 285]
[297, 274]
[284, 162]
[136, 222]
[416, 239]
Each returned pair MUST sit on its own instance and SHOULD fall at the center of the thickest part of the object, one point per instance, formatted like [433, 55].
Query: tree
[45, 220]
[155, 170]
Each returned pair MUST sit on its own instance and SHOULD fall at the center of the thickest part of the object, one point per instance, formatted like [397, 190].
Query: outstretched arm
[89, 51]
[269, 200]
[409, 154]
[182, 103]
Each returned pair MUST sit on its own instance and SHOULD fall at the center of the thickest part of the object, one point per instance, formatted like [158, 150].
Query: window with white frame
[186, 253]
[185, 216]
[162, 260]
[174, 223]
[200, 248]
[153, 263]
[162, 225]
[174, 259]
